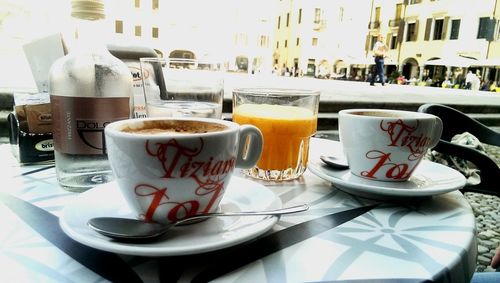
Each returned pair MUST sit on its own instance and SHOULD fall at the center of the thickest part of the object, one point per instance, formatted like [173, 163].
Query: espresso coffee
[173, 127]
[378, 114]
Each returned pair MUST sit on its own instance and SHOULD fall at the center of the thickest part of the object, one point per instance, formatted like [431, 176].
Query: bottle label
[78, 122]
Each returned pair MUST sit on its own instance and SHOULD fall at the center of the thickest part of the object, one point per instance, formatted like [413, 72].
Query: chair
[456, 122]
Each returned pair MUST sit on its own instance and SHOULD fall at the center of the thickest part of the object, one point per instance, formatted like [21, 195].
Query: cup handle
[438, 131]
[250, 146]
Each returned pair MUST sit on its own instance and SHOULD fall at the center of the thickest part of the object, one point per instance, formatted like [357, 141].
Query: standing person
[468, 79]
[379, 52]
[476, 82]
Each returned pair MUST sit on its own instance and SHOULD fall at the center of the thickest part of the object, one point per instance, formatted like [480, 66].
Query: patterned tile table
[342, 237]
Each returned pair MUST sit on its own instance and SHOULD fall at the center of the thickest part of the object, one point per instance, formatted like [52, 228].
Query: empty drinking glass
[182, 87]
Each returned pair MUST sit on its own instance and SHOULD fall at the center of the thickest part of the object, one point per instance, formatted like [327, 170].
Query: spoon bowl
[334, 162]
[127, 229]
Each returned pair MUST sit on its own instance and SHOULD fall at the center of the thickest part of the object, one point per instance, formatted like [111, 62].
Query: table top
[341, 237]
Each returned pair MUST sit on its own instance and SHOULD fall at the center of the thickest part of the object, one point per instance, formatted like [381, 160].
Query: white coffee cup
[386, 145]
[171, 168]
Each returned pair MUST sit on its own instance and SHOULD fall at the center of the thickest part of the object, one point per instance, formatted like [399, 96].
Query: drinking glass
[182, 87]
[287, 119]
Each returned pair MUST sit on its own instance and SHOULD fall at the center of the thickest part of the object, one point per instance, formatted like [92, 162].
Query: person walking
[379, 52]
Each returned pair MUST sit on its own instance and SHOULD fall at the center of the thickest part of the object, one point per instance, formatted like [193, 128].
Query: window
[277, 44]
[411, 32]
[137, 3]
[263, 41]
[300, 16]
[286, 43]
[438, 29]
[118, 26]
[154, 32]
[315, 41]
[455, 29]
[297, 43]
[241, 39]
[486, 28]
[138, 30]
[399, 8]
[394, 41]
[481, 32]
[317, 15]
[287, 19]
[496, 33]
[373, 41]
[279, 21]
[155, 4]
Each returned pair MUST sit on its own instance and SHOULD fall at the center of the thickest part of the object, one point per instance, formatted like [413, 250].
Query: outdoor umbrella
[457, 61]
[491, 62]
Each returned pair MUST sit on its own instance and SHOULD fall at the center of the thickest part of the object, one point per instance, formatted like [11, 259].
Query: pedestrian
[476, 82]
[494, 87]
[485, 85]
[468, 79]
[380, 50]
[489, 277]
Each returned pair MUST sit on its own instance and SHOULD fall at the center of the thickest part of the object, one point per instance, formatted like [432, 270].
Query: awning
[369, 61]
[457, 61]
[492, 62]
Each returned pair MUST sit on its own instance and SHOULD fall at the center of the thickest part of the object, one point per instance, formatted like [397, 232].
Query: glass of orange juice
[287, 119]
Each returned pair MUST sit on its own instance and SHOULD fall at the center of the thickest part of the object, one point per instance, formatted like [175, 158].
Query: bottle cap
[87, 9]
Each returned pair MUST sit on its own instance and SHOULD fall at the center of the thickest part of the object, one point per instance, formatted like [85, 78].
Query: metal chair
[456, 122]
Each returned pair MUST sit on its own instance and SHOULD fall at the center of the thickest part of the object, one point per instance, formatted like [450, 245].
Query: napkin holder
[30, 128]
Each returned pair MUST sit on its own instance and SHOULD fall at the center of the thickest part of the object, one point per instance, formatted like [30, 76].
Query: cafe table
[345, 236]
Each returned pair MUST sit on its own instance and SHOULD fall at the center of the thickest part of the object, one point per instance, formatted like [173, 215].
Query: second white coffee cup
[386, 145]
[169, 168]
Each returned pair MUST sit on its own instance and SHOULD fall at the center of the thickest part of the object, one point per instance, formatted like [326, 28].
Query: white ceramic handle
[250, 146]
[438, 131]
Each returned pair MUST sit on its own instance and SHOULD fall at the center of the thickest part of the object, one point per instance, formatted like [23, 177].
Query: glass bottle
[89, 88]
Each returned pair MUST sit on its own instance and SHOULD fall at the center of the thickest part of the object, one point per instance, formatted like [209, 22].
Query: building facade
[318, 38]
[234, 33]
[444, 29]
[322, 37]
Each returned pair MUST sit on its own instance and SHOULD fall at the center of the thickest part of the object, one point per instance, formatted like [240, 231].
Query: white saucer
[429, 178]
[209, 235]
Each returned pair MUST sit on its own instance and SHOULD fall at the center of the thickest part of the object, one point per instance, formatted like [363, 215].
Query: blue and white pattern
[341, 237]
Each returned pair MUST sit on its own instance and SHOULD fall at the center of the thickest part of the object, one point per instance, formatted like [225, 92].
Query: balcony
[394, 23]
[319, 25]
[374, 25]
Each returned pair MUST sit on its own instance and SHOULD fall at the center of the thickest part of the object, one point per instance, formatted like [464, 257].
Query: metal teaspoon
[335, 162]
[127, 229]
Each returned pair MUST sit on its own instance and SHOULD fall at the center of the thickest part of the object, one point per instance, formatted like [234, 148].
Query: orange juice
[286, 131]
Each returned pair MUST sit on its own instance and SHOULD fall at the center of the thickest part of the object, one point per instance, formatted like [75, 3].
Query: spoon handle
[286, 210]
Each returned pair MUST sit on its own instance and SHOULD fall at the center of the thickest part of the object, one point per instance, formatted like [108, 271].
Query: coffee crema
[173, 127]
[379, 114]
